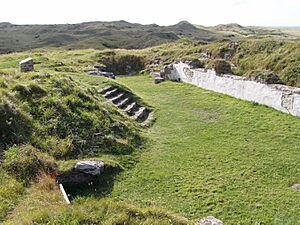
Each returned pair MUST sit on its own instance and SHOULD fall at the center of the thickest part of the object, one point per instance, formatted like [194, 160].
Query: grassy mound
[50, 118]
[48, 207]
[62, 117]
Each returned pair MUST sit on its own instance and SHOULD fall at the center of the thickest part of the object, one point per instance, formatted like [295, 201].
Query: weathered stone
[100, 68]
[210, 220]
[27, 65]
[92, 73]
[155, 74]
[93, 168]
[196, 63]
[158, 80]
[166, 71]
[296, 186]
[222, 67]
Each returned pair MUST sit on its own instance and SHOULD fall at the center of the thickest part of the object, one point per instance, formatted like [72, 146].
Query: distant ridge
[118, 34]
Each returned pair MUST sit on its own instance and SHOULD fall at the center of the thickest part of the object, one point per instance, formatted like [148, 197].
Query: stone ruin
[27, 65]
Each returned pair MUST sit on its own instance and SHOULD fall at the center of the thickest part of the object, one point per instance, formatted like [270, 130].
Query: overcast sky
[162, 12]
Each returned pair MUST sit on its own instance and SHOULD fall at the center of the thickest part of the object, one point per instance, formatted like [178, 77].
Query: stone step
[124, 103]
[106, 89]
[118, 98]
[111, 94]
[141, 114]
[132, 108]
[148, 120]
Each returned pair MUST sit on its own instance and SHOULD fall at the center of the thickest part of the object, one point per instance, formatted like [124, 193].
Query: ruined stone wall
[283, 98]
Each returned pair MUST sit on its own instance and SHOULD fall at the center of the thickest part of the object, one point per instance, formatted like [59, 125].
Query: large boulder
[94, 168]
[210, 220]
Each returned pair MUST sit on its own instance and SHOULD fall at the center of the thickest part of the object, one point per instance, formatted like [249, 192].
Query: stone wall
[283, 98]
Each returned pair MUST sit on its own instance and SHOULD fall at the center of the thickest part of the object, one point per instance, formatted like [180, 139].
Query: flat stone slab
[94, 168]
[210, 220]
[158, 80]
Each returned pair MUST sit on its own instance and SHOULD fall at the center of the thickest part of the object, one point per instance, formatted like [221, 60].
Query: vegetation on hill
[98, 35]
[121, 34]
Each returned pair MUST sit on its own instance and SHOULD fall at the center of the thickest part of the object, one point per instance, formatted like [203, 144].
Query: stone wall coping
[26, 60]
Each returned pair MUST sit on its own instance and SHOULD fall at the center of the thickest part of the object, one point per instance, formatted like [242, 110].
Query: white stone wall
[283, 98]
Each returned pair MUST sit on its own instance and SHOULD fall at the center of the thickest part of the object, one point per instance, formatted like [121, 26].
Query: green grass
[211, 154]
[206, 154]
[10, 192]
[47, 206]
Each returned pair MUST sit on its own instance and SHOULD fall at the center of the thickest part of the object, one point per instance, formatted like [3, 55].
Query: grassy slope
[223, 134]
[48, 207]
[214, 155]
[252, 56]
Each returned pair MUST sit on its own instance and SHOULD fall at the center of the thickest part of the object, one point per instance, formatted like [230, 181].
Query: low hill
[234, 30]
[122, 34]
[98, 35]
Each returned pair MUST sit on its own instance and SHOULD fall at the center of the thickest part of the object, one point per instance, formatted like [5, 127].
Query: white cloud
[163, 12]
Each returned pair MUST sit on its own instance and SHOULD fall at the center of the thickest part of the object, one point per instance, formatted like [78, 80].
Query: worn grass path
[210, 154]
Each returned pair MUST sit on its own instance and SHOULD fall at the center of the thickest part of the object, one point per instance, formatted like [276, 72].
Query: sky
[161, 12]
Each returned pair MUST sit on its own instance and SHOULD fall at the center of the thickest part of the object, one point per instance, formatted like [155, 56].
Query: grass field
[210, 154]
[206, 154]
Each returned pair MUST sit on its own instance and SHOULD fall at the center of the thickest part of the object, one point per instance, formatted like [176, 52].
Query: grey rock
[158, 80]
[210, 220]
[155, 74]
[92, 73]
[94, 168]
[296, 186]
